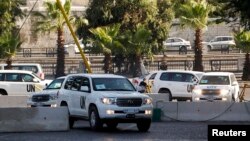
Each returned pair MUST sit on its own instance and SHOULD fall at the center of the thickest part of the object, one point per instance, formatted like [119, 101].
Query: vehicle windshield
[214, 80]
[55, 84]
[112, 84]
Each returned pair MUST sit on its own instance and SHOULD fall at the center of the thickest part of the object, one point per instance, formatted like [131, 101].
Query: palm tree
[106, 40]
[242, 40]
[53, 20]
[137, 46]
[9, 44]
[194, 14]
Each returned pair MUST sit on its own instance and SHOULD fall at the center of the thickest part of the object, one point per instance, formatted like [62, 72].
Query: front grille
[40, 98]
[129, 102]
[211, 92]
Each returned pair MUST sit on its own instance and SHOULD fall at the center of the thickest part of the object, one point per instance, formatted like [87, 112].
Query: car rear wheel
[183, 49]
[144, 125]
[94, 119]
[3, 92]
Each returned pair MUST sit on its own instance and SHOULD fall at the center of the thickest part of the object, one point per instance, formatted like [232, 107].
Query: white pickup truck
[104, 99]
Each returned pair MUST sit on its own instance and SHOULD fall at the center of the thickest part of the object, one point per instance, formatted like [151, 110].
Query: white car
[19, 82]
[176, 43]
[176, 83]
[220, 42]
[104, 99]
[48, 96]
[216, 86]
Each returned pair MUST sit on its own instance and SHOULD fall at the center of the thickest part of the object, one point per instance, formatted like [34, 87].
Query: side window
[177, 77]
[85, 85]
[68, 83]
[76, 84]
[13, 77]
[165, 76]
[27, 78]
[188, 78]
[1, 77]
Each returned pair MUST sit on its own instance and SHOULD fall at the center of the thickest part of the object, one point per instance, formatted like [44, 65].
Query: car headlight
[53, 97]
[108, 100]
[197, 91]
[147, 101]
[224, 92]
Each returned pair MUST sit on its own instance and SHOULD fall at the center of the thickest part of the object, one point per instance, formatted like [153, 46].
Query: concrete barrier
[13, 101]
[33, 119]
[158, 97]
[205, 111]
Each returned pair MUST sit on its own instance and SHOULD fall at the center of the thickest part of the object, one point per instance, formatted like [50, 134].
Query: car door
[176, 44]
[182, 83]
[79, 90]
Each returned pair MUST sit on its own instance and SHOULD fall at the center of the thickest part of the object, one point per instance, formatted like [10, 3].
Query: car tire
[144, 125]
[3, 92]
[183, 50]
[209, 48]
[167, 92]
[71, 122]
[112, 125]
[94, 119]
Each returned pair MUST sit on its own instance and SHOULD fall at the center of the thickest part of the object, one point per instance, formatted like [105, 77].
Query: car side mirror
[35, 80]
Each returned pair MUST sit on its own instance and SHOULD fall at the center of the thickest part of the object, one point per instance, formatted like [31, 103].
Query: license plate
[131, 111]
[130, 116]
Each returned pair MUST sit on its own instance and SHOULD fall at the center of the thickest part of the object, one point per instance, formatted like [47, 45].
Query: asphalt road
[159, 131]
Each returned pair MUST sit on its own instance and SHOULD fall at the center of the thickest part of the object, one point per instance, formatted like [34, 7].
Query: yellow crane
[85, 61]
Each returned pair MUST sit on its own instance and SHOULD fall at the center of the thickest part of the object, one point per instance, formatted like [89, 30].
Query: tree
[234, 11]
[9, 34]
[137, 45]
[194, 14]
[107, 41]
[242, 40]
[155, 16]
[53, 20]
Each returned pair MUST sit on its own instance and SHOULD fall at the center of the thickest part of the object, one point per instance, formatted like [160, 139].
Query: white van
[36, 68]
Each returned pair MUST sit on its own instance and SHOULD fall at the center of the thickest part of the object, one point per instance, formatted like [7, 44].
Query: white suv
[217, 86]
[176, 83]
[19, 82]
[104, 98]
[176, 43]
[221, 42]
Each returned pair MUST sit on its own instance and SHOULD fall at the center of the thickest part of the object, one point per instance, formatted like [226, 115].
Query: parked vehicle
[104, 99]
[177, 44]
[34, 67]
[48, 96]
[176, 83]
[19, 82]
[220, 42]
[217, 86]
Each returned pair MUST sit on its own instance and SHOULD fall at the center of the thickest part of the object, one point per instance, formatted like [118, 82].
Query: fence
[211, 62]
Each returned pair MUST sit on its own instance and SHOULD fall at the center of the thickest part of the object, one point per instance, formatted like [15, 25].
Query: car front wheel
[144, 125]
[94, 119]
